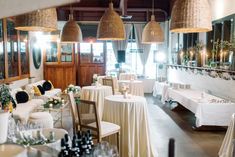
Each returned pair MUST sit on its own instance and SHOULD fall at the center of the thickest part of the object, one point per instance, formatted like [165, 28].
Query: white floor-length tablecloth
[127, 76]
[160, 88]
[135, 87]
[208, 109]
[97, 94]
[227, 147]
[148, 84]
[132, 116]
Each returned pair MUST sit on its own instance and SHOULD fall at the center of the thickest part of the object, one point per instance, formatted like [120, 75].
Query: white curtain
[145, 47]
[122, 44]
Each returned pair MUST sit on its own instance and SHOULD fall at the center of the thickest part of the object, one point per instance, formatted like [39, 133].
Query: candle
[50, 105]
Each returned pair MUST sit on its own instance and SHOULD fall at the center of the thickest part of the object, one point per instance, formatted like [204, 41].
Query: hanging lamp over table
[191, 16]
[152, 32]
[42, 20]
[71, 32]
[111, 26]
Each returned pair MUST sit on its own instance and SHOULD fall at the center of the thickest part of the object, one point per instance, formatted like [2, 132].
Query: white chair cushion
[23, 110]
[53, 92]
[40, 115]
[107, 128]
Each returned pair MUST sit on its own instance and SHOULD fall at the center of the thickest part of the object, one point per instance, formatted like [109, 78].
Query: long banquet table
[208, 109]
[227, 147]
[132, 116]
[160, 88]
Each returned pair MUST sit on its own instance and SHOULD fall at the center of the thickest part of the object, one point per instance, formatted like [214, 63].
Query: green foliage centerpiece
[55, 102]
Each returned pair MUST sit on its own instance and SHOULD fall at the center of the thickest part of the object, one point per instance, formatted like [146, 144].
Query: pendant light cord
[153, 7]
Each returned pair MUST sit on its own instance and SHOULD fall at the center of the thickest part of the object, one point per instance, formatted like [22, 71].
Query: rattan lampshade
[190, 16]
[71, 32]
[152, 32]
[111, 26]
[43, 20]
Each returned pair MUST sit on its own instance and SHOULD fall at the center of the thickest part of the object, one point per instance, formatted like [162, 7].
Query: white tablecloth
[160, 88]
[127, 76]
[97, 94]
[135, 87]
[227, 147]
[210, 110]
[132, 116]
[148, 84]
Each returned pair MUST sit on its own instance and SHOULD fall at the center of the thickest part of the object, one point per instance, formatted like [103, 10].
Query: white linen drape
[122, 44]
[145, 47]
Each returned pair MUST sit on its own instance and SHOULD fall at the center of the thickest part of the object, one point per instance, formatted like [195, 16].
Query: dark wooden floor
[166, 123]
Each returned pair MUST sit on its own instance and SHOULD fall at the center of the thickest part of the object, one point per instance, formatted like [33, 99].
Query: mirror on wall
[37, 56]
[214, 49]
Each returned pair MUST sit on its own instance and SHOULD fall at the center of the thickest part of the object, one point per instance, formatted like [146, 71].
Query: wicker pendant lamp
[111, 26]
[43, 20]
[71, 32]
[189, 16]
[152, 32]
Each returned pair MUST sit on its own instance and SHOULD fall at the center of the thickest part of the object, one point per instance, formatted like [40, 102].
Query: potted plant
[6, 107]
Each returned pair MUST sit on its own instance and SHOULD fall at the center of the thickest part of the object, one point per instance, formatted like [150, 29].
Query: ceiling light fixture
[42, 20]
[111, 26]
[71, 32]
[152, 32]
[191, 16]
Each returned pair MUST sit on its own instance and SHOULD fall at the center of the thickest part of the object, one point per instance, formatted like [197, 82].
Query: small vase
[125, 95]
[3, 126]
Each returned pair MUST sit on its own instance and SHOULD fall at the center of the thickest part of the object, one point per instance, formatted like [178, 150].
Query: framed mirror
[37, 57]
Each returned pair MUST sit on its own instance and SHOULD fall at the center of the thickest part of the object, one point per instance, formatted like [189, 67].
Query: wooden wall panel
[60, 75]
[86, 72]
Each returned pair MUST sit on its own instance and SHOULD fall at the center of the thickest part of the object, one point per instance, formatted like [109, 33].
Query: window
[51, 52]
[133, 62]
[150, 67]
[92, 52]
[110, 57]
[14, 56]
[66, 52]
[24, 52]
[12, 49]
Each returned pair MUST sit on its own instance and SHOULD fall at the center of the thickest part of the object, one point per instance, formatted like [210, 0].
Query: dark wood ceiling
[140, 10]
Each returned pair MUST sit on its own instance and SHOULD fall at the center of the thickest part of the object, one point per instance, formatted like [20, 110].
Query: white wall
[216, 86]
[222, 8]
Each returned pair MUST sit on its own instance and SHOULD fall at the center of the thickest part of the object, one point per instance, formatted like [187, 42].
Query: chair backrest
[74, 112]
[88, 117]
[108, 81]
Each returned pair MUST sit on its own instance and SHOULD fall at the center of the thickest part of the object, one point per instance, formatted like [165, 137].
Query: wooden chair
[108, 81]
[87, 120]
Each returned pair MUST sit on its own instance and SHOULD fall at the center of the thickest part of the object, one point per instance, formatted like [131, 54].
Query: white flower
[95, 76]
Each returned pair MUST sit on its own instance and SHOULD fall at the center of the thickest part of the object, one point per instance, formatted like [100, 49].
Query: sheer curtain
[145, 47]
[122, 44]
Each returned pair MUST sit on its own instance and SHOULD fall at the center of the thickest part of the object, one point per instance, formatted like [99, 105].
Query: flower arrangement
[5, 98]
[53, 103]
[95, 78]
[75, 89]
[124, 89]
